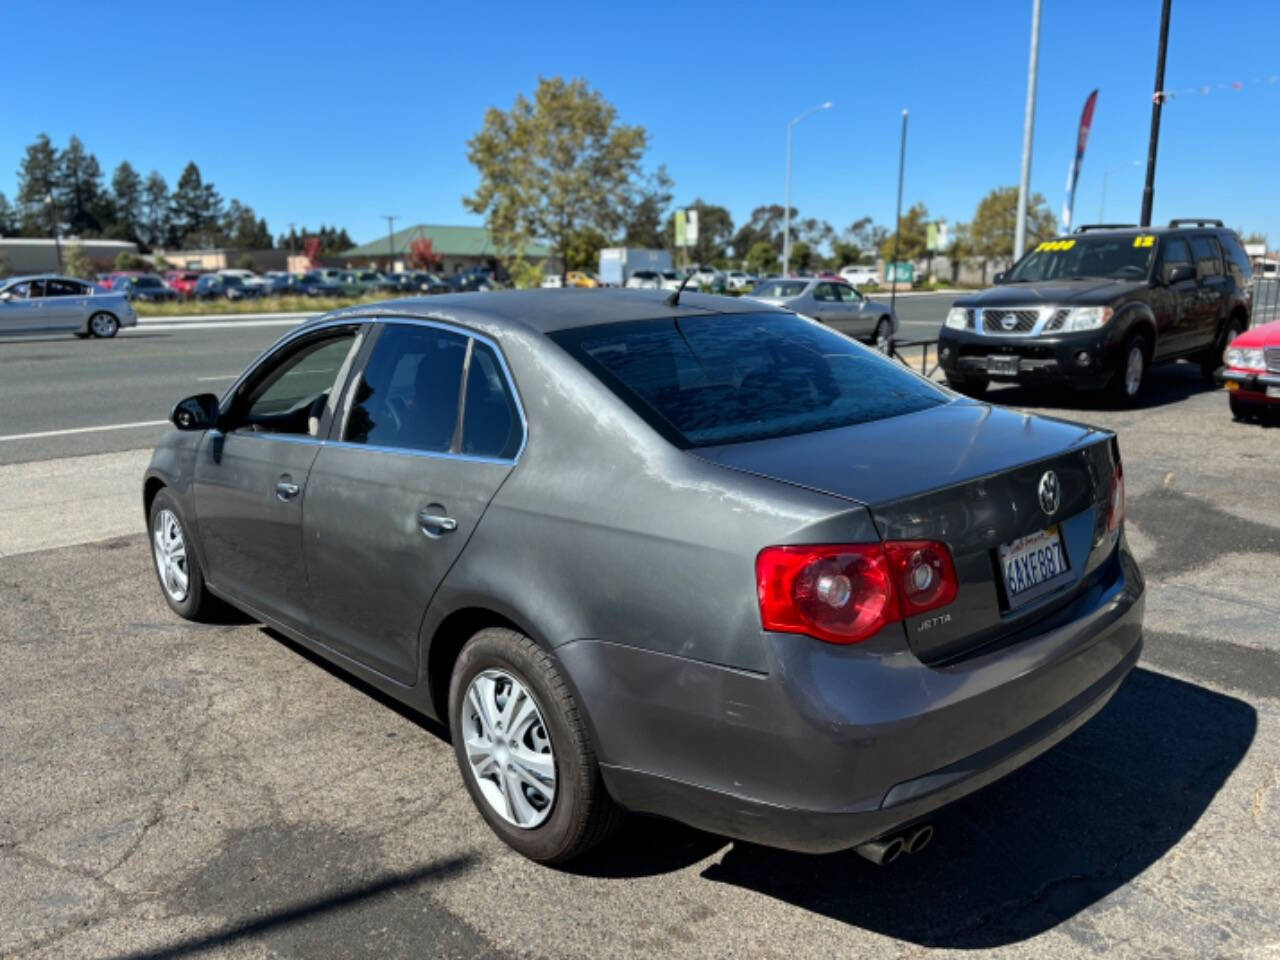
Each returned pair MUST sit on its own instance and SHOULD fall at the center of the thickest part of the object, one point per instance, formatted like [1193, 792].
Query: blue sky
[333, 113]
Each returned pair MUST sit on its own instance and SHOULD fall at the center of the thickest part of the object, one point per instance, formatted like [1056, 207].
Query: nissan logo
[1009, 321]
[1050, 493]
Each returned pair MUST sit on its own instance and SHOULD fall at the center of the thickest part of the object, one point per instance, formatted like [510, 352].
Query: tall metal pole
[1157, 100]
[786, 213]
[897, 231]
[391, 218]
[1028, 133]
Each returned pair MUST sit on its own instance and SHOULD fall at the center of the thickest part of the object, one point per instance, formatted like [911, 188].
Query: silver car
[52, 304]
[834, 303]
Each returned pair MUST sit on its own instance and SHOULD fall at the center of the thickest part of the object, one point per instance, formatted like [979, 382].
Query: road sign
[681, 229]
[931, 237]
[900, 272]
[691, 228]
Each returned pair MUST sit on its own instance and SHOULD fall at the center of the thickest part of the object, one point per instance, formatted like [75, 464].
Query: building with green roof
[459, 249]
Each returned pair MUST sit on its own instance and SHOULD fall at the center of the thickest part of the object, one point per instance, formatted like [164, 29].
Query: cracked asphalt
[174, 790]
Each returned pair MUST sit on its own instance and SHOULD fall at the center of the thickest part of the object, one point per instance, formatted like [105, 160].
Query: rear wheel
[970, 386]
[1127, 382]
[103, 325]
[523, 749]
[884, 335]
[1211, 359]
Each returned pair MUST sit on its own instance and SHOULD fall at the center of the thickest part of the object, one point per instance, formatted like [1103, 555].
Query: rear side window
[1208, 256]
[407, 395]
[708, 380]
[1237, 260]
[490, 423]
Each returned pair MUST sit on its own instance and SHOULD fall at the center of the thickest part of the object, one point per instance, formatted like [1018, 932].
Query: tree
[867, 235]
[155, 225]
[83, 204]
[246, 262]
[422, 254]
[994, 223]
[8, 218]
[715, 232]
[553, 166]
[242, 228]
[37, 179]
[762, 259]
[131, 261]
[583, 250]
[126, 192]
[959, 249]
[648, 211]
[764, 226]
[76, 263]
[913, 243]
[196, 209]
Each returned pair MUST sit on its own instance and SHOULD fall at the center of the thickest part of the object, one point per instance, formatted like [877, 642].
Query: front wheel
[103, 325]
[1127, 382]
[177, 567]
[522, 746]
[884, 336]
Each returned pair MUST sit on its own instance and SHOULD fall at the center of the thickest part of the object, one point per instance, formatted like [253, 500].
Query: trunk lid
[966, 474]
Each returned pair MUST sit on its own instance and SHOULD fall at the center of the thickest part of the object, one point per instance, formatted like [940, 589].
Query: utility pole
[786, 212]
[391, 218]
[1157, 100]
[1028, 133]
[897, 231]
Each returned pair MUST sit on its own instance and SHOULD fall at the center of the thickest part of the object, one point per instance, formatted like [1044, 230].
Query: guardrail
[925, 369]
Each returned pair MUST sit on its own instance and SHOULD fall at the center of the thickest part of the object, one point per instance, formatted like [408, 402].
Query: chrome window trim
[1045, 313]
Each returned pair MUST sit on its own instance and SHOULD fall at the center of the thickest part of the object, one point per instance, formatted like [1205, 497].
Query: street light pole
[786, 212]
[1157, 99]
[897, 230]
[391, 218]
[1028, 132]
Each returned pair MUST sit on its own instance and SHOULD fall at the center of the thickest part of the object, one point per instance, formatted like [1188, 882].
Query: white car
[247, 277]
[671, 280]
[739, 280]
[551, 281]
[704, 276]
[860, 275]
[644, 280]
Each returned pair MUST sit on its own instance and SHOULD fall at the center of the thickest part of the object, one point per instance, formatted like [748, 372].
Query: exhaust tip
[882, 852]
[918, 839]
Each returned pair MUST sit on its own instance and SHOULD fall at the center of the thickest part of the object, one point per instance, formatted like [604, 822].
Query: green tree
[959, 249]
[196, 209]
[583, 250]
[126, 260]
[715, 232]
[765, 226]
[991, 232]
[83, 204]
[76, 263]
[762, 258]
[867, 235]
[155, 224]
[552, 166]
[8, 218]
[844, 253]
[648, 212]
[126, 194]
[246, 262]
[915, 223]
[241, 227]
[37, 180]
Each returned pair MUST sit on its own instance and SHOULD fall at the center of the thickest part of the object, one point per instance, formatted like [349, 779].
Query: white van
[860, 274]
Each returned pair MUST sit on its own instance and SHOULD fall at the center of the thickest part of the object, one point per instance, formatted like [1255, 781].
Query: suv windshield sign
[1116, 257]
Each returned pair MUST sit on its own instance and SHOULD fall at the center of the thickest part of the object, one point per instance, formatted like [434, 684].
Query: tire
[1126, 384]
[104, 325]
[975, 387]
[580, 813]
[195, 602]
[1239, 409]
[1211, 359]
[883, 337]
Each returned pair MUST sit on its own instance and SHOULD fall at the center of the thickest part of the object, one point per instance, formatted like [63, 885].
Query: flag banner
[1073, 172]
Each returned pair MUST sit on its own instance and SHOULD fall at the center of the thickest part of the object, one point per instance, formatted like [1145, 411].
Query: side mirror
[998, 278]
[1176, 273]
[196, 413]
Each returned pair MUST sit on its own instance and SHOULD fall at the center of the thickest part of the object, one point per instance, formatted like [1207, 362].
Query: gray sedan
[52, 304]
[833, 302]
[707, 559]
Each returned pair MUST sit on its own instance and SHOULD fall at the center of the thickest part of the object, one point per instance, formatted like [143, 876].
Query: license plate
[1273, 392]
[1002, 365]
[1033, 566]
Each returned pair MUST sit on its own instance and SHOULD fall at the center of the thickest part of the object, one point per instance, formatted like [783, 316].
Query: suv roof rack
[1195, 222]
[1085, 227]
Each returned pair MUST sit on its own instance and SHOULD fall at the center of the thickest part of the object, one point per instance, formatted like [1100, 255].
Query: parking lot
[174, 789]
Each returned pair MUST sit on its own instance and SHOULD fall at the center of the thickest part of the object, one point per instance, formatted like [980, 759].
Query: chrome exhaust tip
[918, 839]
[883, 851]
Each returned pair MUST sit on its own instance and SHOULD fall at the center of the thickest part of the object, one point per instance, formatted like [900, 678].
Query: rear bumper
[837, 746]
[1247, 385]
[1056, 360]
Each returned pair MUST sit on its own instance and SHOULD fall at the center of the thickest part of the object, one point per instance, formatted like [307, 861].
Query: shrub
[76, 263]
[130, 261]
[246, 262]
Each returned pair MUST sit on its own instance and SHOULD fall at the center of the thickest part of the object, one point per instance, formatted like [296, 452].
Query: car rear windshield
[1123, 257]
[707, 380]
[780, 288]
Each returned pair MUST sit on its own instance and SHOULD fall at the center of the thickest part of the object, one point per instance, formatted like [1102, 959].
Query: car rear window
[708, 380]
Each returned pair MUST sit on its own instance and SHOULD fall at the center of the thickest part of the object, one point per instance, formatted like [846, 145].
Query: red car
[184, 281]
[1252, 373]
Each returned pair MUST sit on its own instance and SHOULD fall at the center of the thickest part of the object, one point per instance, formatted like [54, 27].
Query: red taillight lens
[845, 593]
[1115, 507]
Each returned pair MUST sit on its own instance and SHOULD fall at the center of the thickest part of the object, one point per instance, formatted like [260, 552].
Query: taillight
[845, 593]
[1115, 506]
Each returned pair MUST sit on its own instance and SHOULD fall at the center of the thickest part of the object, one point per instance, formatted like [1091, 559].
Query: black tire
[975, 387]
[104, 325]
[1211, 359]
[882, 339]
[1122, 390]
[1239, 409]
[582, 812]
[197, 604]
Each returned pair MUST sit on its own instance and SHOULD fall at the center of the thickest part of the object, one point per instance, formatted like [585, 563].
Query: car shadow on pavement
[1166, 384]
[1034, 849]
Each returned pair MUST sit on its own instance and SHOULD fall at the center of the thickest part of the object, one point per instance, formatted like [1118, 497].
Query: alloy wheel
[103, 325]
[1133, 369]
[884, 337]
[508, 748]
[170, 549]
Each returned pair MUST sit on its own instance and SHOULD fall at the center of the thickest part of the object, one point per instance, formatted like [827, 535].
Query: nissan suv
[1095, 309]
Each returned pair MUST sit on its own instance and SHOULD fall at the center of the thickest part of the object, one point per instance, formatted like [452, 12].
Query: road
[52, 386]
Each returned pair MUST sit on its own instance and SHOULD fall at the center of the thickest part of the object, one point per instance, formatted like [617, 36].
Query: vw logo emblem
[1009, 321]
[1050, 493]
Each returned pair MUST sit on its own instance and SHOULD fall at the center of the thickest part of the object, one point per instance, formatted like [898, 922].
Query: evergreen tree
[156, 230]
[126, 189]
[78, 191]
[196, 208]
[37, 176]
[8, 218]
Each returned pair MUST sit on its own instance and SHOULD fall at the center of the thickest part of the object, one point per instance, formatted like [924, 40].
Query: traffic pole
[1028, 133]
[897, 232]
[1157, 100]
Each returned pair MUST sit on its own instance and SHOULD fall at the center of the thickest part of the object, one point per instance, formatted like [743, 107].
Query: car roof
[43, 276]
[550, 309]
[1129, 229]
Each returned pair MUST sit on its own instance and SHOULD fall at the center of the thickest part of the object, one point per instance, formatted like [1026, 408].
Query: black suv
[1095, 309]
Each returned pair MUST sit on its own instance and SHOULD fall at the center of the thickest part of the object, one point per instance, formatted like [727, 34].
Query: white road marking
[226, 325]
[225, 376]
[62, 433]
[225, 317]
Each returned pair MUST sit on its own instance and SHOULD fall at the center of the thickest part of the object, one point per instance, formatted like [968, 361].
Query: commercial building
[459, 249]
[19, 255]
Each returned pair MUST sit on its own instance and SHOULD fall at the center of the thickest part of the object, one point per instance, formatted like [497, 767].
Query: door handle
[434, 524]
[286, 490]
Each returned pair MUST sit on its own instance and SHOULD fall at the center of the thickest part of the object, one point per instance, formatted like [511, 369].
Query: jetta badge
[1050, 493]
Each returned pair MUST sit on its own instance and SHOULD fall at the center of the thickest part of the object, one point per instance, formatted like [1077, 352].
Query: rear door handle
[286, 490]
[434, 524]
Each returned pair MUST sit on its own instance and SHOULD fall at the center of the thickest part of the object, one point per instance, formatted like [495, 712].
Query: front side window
[709, 380]
[407, 395]
[292, 396]
[848, 294]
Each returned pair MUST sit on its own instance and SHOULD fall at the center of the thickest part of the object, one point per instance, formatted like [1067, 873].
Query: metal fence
[1266, 299]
